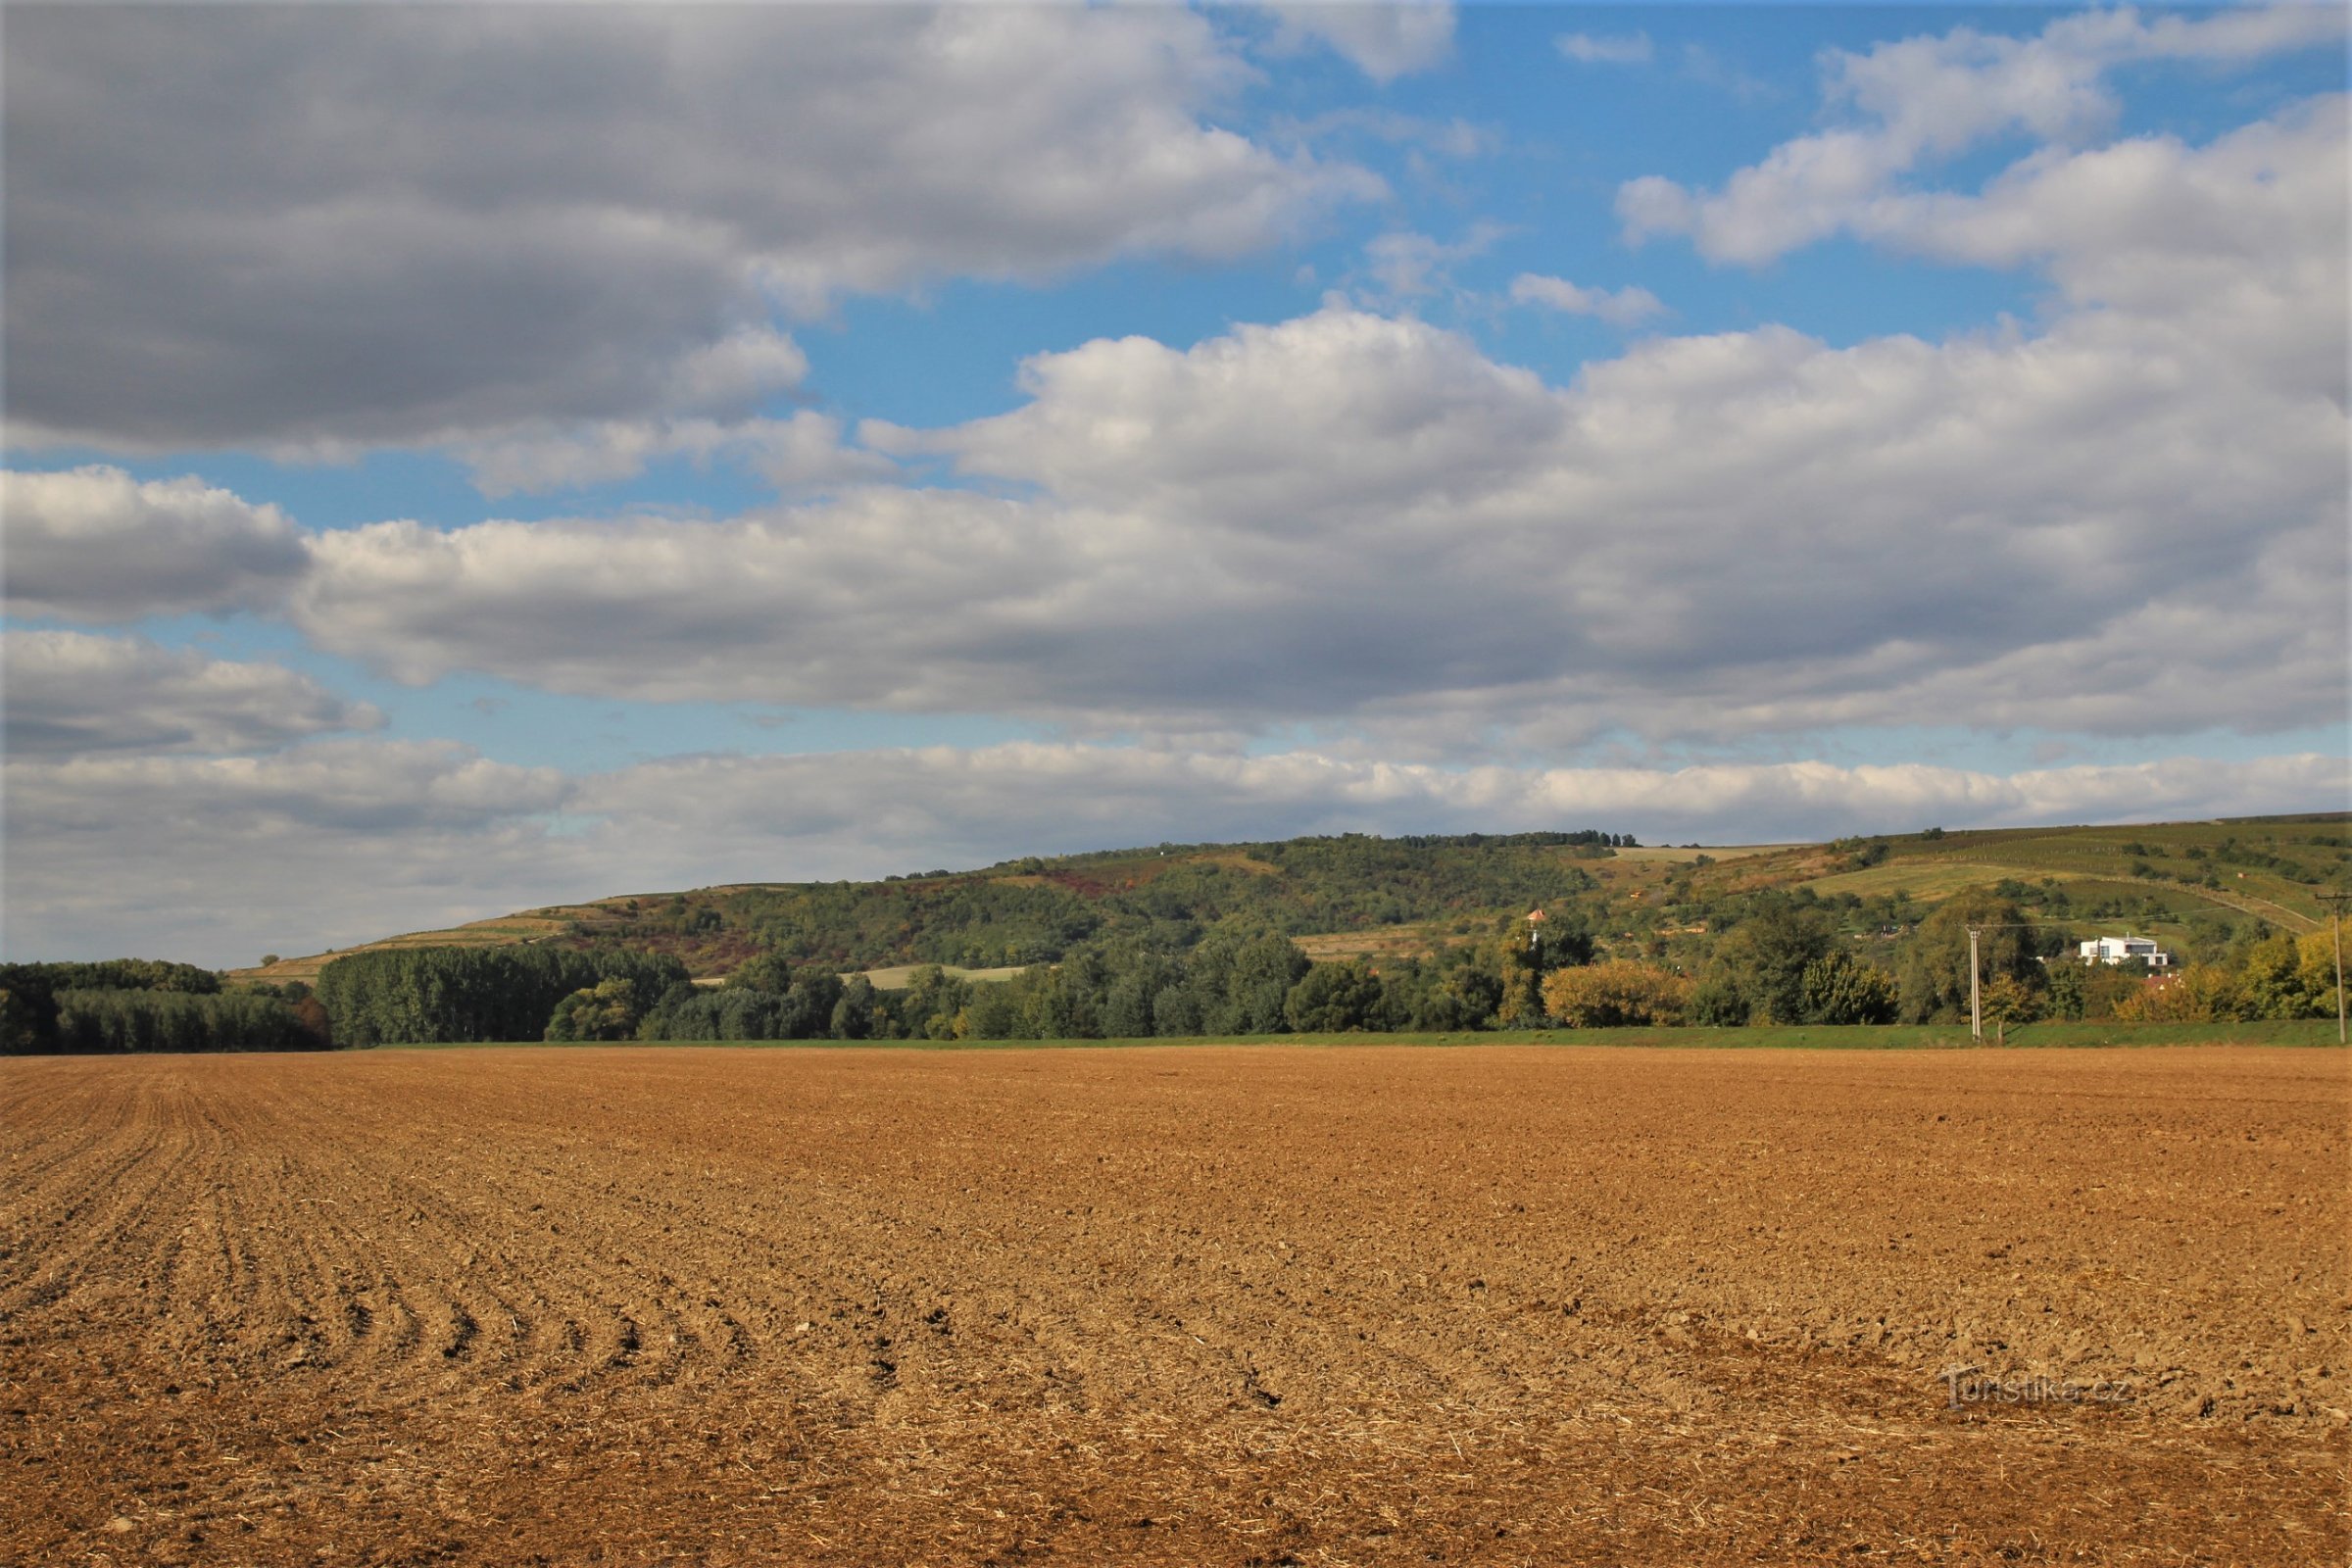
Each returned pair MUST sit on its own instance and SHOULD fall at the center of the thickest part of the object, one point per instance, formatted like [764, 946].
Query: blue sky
[524, 454]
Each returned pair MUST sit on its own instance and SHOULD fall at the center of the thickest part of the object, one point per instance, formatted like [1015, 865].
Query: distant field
[2110, 854]
[1721, 852]
[1927, 880]
[899, 976]
[1384, 942]
[2097, 864]
[1201, 1306]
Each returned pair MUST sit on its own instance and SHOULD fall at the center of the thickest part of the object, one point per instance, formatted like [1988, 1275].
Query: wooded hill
[2197, 886]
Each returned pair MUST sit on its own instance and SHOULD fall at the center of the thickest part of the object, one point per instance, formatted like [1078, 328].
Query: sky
[466, 458]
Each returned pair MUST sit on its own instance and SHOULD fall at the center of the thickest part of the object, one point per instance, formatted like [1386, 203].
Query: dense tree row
[1232, 983]
[30, 993]
[472, 994]
[120, 1004]
[123, 1020]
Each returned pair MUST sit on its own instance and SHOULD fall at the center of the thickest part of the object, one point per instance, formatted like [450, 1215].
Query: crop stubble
[1199, 1304]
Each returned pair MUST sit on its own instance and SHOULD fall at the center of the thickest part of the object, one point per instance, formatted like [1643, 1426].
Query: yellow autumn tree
[1616, 994]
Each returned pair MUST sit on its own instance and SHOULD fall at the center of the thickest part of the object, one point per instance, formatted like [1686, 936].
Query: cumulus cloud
[1605, 49]
[354, 224]
[95, 544]
[70, 692]
[2240, 241]
[187, 856]
[1918, 100]
[1383, 40]
[1361, 517]
[2129, 521]
[1626, 306]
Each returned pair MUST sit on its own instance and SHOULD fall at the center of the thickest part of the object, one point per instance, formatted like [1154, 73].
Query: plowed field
[1212, 1304]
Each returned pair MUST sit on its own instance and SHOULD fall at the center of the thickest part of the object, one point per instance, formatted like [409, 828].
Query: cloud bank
[2131, 521]
[70, 693]
[526, 218]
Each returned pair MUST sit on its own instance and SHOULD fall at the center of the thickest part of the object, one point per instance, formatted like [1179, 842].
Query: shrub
[1838, 988]
[1617, 993]
[1333, 998]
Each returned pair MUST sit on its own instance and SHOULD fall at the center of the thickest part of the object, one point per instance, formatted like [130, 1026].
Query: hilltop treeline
[472, 994]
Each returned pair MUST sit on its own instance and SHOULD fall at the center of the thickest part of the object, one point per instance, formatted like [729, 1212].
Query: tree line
[470, 995]
[1771, 959]
[108, 1022]
[122, 1003]
[1231, 984]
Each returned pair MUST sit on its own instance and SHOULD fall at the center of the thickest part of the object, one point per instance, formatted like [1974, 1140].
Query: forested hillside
[1559, 929]
[1027, 911]
[2197, 886]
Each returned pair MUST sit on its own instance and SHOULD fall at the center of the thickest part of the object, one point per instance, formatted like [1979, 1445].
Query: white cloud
[1355, 518]
[2131, 521]
[70, 692]
[803, 451]
[2240, 241]
[1605, 49]
[1932, 97]
[739, 368]
[1409, 265]
[94, 544]
[215, 216]
[1626, 306]
[1384, 40]
[189, 857]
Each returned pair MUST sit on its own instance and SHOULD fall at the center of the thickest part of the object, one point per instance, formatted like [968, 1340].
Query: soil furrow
[1198, 1305]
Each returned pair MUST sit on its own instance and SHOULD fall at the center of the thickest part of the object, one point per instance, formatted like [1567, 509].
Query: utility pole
[1975, 999]
[2335, 904]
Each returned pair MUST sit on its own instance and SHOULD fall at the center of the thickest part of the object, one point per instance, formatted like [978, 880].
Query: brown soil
[1201, 1306]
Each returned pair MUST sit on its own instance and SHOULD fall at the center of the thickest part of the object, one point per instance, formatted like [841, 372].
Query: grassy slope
[2151, 869]
[2167, 864]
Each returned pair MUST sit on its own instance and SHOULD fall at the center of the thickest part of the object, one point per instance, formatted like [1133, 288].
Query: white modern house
[2123, 949]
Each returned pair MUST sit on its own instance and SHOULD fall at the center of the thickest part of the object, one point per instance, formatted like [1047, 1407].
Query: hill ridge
[1367, 894]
